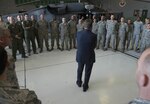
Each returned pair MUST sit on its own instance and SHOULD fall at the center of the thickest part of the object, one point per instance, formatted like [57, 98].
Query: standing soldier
[35, 30]
[101, 36]
[94, 26]
[72, 31]
[146, 39]
[19, 23]
[138, 26]
[29, 36]
[111, 27]
[43, 32]
[17, 38]
[129, 33]
[123, 28]
[80, 25]
[64, 34]
[54, 27]
[145, 28]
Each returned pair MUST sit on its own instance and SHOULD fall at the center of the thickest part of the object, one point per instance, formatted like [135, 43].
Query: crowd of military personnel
[122, 35]
[119, 35]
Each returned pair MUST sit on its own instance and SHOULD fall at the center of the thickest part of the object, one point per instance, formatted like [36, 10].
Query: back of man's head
[143, 75]
[3, 60]
[87, 24]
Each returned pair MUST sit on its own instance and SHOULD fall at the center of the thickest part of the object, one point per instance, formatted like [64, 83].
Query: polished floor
[53, 74]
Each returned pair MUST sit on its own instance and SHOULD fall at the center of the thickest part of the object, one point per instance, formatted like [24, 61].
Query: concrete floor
[53, 74]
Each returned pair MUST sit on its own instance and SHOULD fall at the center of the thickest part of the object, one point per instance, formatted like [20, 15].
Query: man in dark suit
[86, 43]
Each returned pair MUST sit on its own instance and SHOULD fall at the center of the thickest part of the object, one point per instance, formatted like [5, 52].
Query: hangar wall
[131, 5]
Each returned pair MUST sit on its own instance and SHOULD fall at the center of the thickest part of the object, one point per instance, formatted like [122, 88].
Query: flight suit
[29, 36]
[17, 40]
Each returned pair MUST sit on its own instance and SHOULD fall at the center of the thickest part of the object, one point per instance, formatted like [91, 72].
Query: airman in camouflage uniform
[147, 21]
[111, 27]
[43, 32]
[64, 34]
[129, 33]
[123, 28]
[94, 26]
[72, 31]
[146, 39]
[101, 35]
[54, 27]
[138, 26]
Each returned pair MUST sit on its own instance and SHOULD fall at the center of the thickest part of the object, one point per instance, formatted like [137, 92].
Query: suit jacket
[86, 43]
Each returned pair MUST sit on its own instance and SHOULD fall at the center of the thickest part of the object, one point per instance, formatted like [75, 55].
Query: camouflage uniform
[54, 26]
[139, 101]
[129, 35]
[94, 27]
[145, 41]
[111, 27]
[101, 36]
[138, 25]
[9, 95]
[72, 32]
[43, 33]
[17, 42]
[123, 28]
[64, 35]
[29, 36]
[11, 73]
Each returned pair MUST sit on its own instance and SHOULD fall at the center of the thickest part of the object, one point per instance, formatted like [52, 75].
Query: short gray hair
[87, 23]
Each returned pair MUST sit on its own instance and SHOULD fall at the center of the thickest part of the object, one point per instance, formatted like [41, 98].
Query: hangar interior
[52, 75]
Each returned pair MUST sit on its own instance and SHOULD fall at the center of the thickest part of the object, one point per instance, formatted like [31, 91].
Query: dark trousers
[88, 70]
[17, 44]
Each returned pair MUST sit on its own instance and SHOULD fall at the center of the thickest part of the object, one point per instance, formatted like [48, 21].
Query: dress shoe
[79, 84]
[41, 51]
[85, 88]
